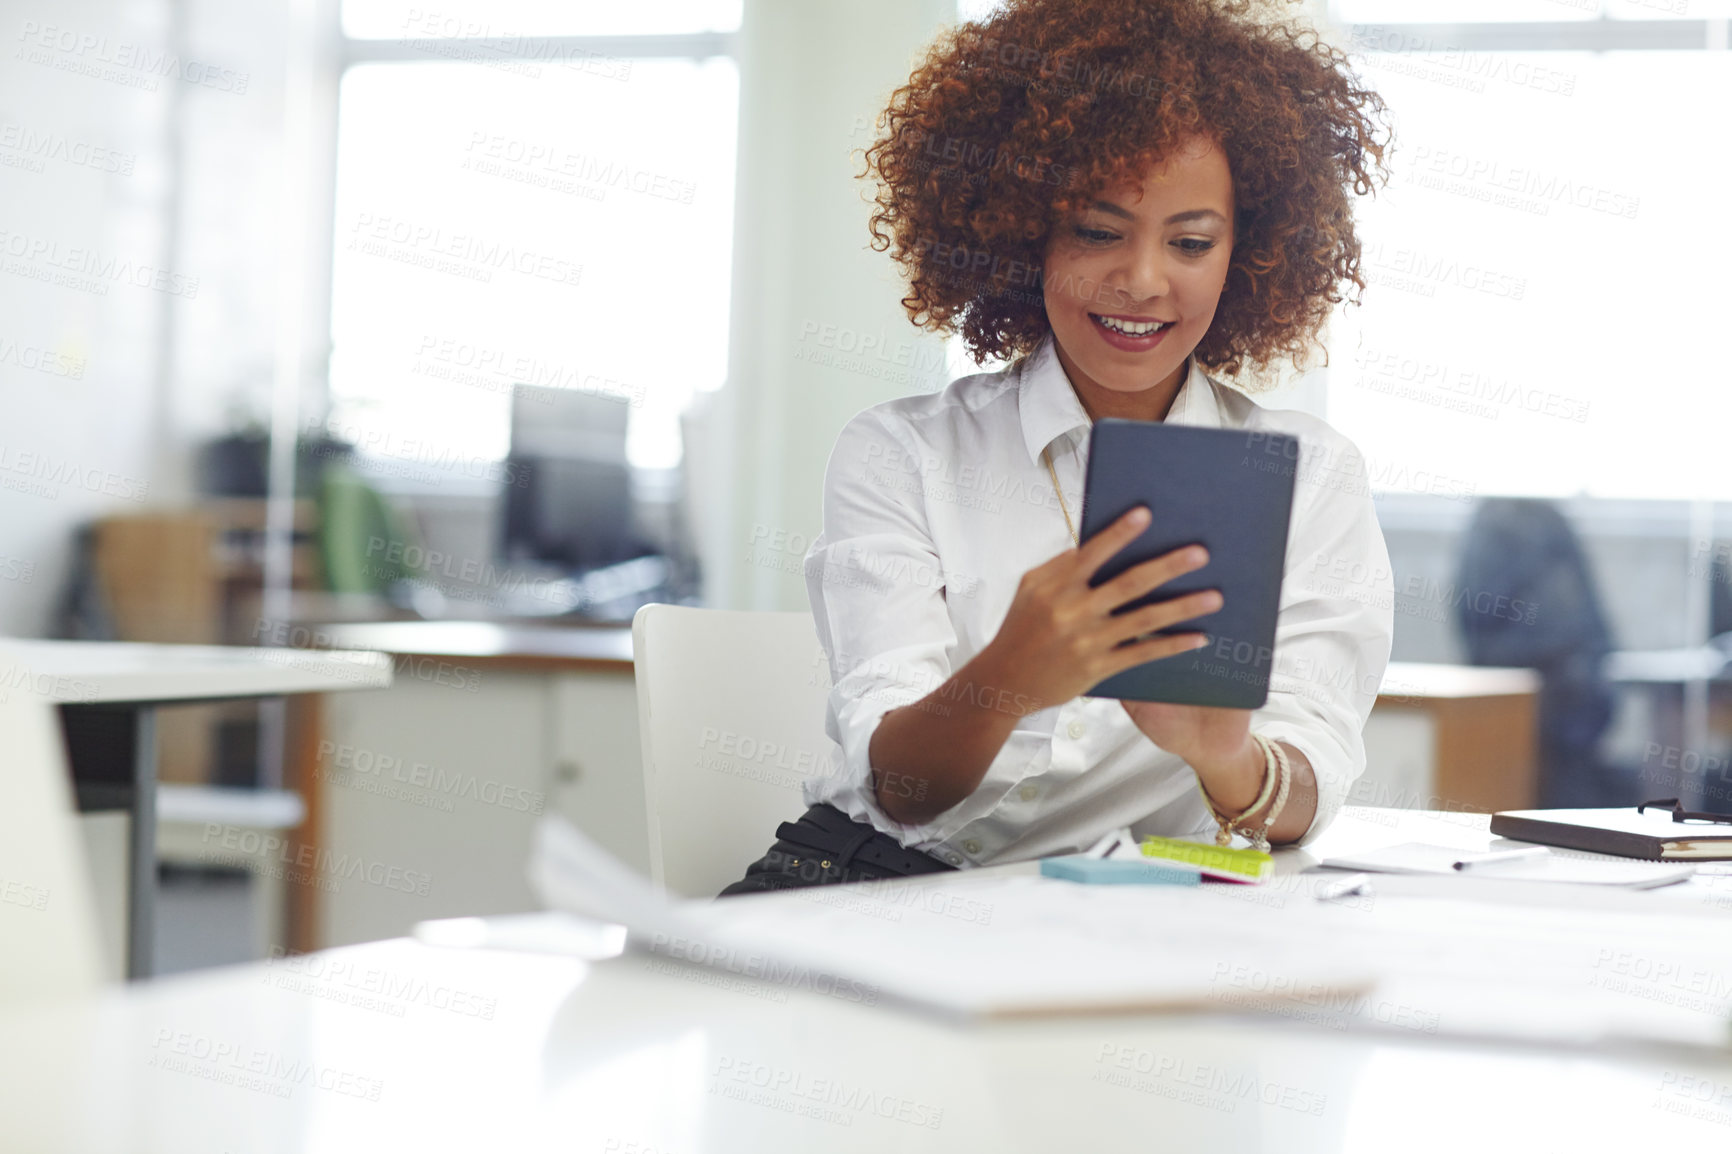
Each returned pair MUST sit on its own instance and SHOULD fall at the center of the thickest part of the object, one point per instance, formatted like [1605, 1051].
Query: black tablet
[1231, 490]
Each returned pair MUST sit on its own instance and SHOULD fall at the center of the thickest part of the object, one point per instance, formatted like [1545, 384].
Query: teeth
[1132, 328]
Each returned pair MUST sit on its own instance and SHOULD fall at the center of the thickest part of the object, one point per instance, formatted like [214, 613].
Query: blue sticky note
[1111, 872]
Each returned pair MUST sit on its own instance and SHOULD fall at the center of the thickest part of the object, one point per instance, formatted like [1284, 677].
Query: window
[527, 208]
[1544, 267]
[967, 10]
[1463, 11]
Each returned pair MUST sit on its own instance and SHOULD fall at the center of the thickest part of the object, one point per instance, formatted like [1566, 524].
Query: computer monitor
[568, 495]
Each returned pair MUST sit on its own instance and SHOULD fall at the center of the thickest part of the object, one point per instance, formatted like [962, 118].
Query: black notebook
[1651, 834]
[1230, 490]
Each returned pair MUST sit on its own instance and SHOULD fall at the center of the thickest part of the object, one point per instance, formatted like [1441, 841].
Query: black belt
[827, 830]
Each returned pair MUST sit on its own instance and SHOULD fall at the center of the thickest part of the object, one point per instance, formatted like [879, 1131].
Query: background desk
[108, 694]
[399, 1046]
[1452, 737]
[484, 727]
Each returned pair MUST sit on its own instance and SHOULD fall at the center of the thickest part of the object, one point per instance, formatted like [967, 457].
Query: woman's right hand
[1060, 637]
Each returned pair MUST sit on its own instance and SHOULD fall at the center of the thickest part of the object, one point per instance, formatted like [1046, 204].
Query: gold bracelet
[1229, 825]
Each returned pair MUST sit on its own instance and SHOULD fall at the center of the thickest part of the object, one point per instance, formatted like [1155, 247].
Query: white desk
[123, 672]
[399, 1046]
[107, 693]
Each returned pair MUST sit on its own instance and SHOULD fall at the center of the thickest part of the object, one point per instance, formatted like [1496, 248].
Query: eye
[1193, 246]
[1093, 235]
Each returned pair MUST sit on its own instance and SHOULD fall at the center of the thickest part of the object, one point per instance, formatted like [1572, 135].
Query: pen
[1524, 854]
[1351, 884]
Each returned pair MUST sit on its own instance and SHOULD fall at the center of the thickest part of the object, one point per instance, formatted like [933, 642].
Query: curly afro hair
[1010, 125]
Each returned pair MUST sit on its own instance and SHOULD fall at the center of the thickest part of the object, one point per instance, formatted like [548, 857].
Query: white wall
[812, 80]
[80, 363]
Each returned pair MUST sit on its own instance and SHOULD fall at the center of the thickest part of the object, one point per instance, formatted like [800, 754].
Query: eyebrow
[1176, 218]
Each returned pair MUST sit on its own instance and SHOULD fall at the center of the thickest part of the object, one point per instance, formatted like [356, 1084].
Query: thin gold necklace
[1046, 455]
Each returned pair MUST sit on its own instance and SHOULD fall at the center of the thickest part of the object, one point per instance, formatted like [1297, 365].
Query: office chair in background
[1525, 551]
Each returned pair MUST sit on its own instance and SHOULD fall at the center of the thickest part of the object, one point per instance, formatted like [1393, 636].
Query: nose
[1142, 275]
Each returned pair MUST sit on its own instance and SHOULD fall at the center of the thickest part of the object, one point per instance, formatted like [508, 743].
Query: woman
[1119, 194]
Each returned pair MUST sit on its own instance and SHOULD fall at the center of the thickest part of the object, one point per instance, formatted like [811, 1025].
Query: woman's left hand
[1214, 742]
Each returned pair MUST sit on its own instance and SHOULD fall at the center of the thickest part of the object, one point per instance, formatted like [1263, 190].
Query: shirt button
[1028, 792]
[1076, 729]
[971, 846]
[954, 858]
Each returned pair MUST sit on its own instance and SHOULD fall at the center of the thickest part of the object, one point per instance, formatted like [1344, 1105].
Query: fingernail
[1139, 516]
[1199, 555]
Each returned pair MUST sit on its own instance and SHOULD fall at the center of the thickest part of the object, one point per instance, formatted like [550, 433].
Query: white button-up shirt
[934, 508]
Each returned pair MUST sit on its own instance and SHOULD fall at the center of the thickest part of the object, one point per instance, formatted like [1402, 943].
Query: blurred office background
[320, 314]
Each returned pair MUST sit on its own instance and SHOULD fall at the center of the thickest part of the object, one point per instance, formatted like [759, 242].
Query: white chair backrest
[731, 710]
[48, 936]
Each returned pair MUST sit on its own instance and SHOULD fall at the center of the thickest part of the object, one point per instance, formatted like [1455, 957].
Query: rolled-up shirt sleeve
[1335, 625]
[877, 586]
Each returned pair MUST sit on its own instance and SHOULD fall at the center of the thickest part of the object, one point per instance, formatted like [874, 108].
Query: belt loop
[853, 846]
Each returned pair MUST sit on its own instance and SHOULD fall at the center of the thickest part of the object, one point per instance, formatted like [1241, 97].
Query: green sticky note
[1233, 864]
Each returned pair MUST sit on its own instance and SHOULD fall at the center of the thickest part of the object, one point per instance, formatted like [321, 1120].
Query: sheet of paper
[1554, 866]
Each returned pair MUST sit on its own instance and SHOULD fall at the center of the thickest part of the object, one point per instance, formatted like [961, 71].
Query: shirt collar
[1051, 409]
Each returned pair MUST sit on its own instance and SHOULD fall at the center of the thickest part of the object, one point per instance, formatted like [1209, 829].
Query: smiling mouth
[1129, 327]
